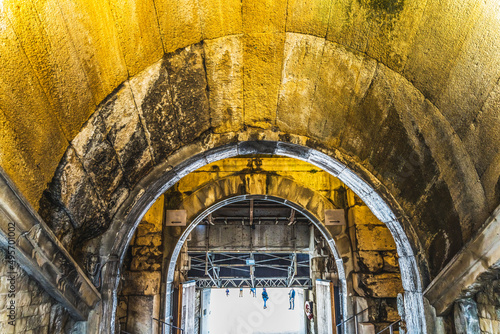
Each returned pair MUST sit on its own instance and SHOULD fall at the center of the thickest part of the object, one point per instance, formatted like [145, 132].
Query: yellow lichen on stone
[220, 18]
[308, 17]
[92, 28]
[180, 23]
[263, 58]
[264, 16]
[224, 64]
[138, 31]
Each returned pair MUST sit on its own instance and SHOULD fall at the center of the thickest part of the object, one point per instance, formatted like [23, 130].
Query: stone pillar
[107, 320]
[466, 317]
[171, 237]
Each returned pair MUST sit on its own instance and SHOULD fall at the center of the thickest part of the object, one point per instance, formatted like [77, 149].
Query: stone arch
[115, 241]
[265, 185]
[312, 215]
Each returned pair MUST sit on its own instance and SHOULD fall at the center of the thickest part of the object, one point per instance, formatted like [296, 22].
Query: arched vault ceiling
[406, 89]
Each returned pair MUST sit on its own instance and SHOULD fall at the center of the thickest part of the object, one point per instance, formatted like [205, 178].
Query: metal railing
[355, 317]
[390, 327]
[165, 323]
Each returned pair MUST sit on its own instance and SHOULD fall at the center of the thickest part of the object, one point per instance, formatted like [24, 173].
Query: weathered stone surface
[154, 102]
[138, 33]
[466, 317]
[373, 238]
[308, 18]
[371, 261]
[141, 283]
[361, 215]
[99, 158]
[32, 304]
[386, 285]
[224, 61]
[94, 33]
[179, 23]
[334, 98]
[262, 79]
[72, 189]
[60, 322]
[126, 134]
[301, 68]
[216, 22]
[141, 311]
[188, 87]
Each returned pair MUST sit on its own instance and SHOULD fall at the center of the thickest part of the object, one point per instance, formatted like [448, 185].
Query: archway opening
[256, 243]
[198, 202]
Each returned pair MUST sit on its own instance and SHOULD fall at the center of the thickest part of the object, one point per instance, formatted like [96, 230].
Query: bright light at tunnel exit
[246, 315]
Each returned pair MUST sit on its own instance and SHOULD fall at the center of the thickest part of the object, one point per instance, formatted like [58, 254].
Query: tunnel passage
[377, 281]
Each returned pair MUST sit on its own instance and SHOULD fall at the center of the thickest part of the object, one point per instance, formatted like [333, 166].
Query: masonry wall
[376, 279]
[35, 311]
[139, 298]
[488, 306]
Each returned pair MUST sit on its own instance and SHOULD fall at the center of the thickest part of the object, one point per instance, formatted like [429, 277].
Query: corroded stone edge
[41, 255]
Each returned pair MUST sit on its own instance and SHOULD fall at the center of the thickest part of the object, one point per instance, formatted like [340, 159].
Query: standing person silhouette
[291, 298]
[227, 292]
[241, 292]
[265, 297]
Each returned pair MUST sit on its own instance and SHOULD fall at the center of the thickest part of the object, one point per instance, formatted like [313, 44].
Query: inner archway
[345, 306]
[161, 179]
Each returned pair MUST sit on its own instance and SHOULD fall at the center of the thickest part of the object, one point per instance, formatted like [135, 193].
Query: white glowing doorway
[221, 314]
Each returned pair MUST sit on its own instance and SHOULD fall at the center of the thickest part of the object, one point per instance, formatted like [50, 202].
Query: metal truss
[206, 270]
[265, 282]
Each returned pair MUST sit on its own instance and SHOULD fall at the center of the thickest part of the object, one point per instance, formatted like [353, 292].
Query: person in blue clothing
[265, 297]
[227, 292]
[291, 298]
[253, 291]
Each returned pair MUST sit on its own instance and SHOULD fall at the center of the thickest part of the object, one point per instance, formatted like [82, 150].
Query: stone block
[188, 85]
[466, 317]
[486, 325]
[179, 23]
[391, 263]
[140, 46]
[300, 73]
[224, 61]
[366, 328]
[386, 285]
[147, 229]
[140, 313]
[374, 238]
[23, 298]
[263, 58]
[361, 215]
[141, 283]
[370, 261]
